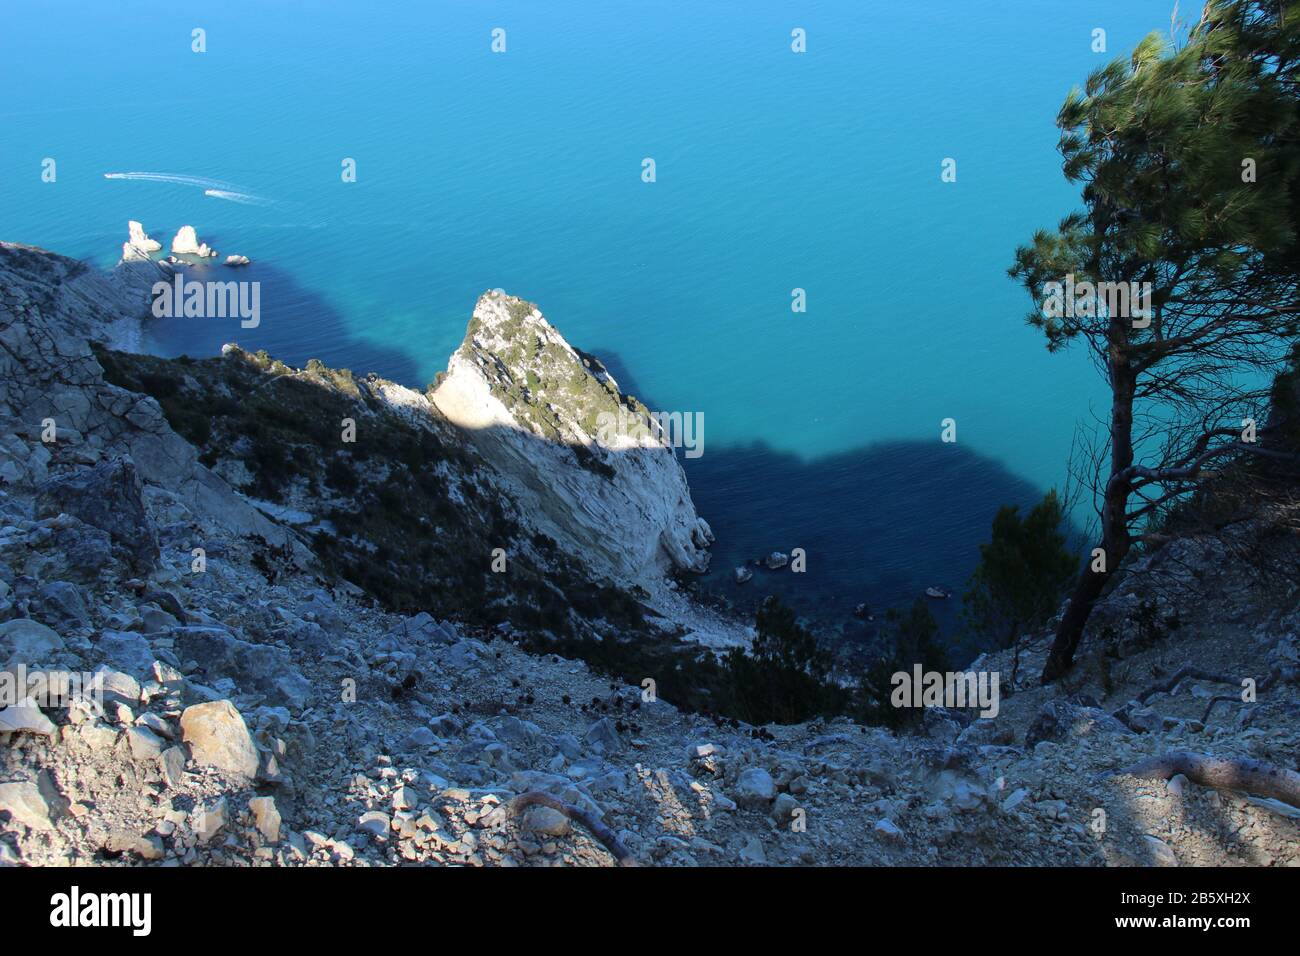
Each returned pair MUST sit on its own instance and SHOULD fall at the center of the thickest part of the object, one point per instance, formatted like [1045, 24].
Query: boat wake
[174, 179]
[245, 199]
[216, 188]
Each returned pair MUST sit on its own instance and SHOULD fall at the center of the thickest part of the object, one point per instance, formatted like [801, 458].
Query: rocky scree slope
[265, 710]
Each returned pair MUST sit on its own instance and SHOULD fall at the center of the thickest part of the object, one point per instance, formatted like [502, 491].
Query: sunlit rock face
[582, 458]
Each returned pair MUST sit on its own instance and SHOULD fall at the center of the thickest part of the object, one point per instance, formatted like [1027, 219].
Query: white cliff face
[533, 406]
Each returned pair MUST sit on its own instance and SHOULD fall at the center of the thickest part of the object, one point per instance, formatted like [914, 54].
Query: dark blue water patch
[878, 524]
[295, 324]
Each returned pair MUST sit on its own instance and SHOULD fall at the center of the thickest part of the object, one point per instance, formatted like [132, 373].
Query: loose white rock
[26, 805]
[218, 737]
[267, 817]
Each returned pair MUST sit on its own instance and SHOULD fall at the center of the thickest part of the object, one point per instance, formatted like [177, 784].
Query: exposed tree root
[1187, 672]
[1167, 685]
[601, 832]
[1222, 773]
[1276, 675]
[1180, 675]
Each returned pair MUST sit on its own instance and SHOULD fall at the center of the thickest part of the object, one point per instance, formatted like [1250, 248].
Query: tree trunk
[1070, 631]
[1115, 541]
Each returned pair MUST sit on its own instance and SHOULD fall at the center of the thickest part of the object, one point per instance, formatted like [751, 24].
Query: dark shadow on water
[296, 324]
[878, 524]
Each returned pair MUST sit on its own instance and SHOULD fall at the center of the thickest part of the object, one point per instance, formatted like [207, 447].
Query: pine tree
[1189, 168]
[785, 676]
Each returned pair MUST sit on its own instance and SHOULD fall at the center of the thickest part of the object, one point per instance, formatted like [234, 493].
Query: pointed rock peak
[615, 492]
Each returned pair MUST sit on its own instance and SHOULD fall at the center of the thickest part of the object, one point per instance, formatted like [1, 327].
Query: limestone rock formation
[533, 406]
[186, 243]
[56, 408]
[139, 245]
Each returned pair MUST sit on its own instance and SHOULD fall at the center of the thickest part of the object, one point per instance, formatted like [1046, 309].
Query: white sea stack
[187, 243]
[138, 245]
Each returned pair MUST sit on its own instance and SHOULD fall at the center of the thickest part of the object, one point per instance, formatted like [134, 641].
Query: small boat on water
[937, 592]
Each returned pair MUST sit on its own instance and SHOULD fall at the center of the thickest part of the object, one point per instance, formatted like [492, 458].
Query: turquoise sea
[522, 170]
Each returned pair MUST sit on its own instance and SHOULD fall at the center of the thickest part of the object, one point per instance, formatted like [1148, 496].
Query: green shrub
[785, 676]
[341, 475]
[909, 638]
[1023, 574]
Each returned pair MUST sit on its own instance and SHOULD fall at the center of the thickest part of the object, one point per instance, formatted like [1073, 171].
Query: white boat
[934, 592]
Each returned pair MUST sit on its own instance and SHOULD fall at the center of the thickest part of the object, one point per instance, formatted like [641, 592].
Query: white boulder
[218, 737]
[25, 717]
